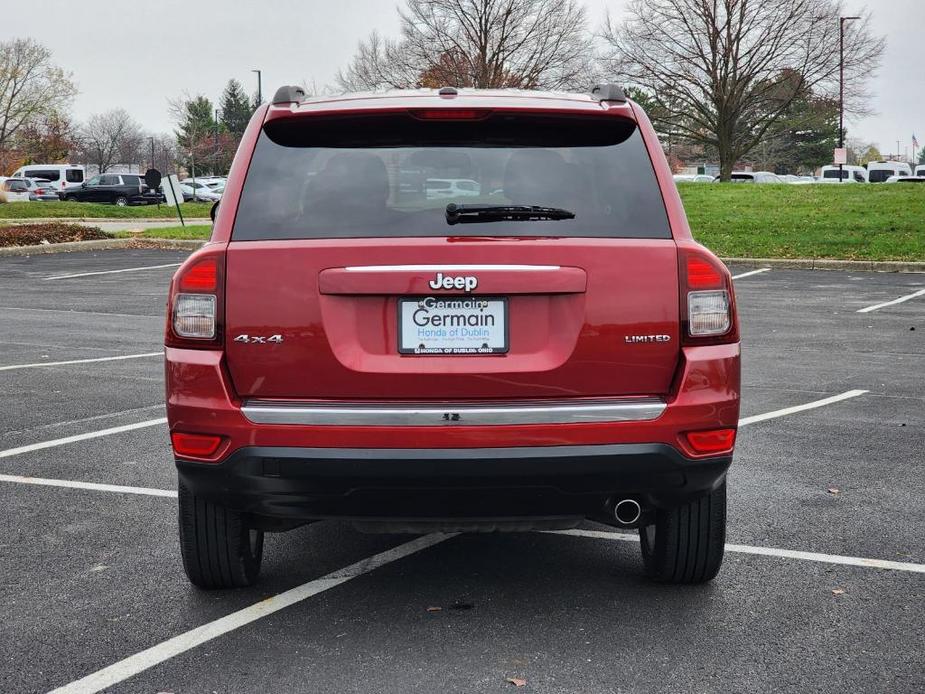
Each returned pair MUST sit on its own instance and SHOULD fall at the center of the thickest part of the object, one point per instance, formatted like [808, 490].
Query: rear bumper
[432, 484]
[315, 460]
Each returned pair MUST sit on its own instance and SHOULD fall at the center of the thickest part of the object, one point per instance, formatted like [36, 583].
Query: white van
[60, 176]
[857, 174]
[920, 170]
[879, 171]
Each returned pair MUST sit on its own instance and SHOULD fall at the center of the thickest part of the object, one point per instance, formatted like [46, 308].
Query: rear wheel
[121, 201]
[685, 544]
[219, 549]
[70, 198]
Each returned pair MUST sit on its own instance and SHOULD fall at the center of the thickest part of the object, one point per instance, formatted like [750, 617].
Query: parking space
[90, 577]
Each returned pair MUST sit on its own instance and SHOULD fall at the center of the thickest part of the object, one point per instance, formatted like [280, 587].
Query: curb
[99, 245]
[192, 245]
[828, 264]
[101, 220]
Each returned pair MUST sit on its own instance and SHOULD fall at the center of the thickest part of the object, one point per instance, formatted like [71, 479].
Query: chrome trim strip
[452, 268]
[450, 414]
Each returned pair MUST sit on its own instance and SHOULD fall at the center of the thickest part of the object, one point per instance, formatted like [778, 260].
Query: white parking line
[750, 273]
[768, 552]
[112, 272]
[131, 666]
[73, 484]
[80, 312]
[920, 292]
[80, 361]
[595, 534]
[81, 437]
[800, 408]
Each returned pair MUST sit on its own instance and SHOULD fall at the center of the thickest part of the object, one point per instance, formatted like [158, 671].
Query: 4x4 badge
[259, 339]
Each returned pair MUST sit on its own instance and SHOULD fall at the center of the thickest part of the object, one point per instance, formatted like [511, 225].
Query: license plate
[458, 325]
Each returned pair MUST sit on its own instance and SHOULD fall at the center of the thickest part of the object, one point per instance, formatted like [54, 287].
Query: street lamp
[259, 88]
[841, 89]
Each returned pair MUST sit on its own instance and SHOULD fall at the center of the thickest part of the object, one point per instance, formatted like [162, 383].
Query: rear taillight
[195, 305]
[707, 299]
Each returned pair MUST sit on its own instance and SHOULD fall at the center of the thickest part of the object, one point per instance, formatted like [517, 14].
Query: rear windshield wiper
[463, 214]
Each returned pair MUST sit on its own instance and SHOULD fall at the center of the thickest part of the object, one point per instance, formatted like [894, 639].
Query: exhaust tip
[627, 511]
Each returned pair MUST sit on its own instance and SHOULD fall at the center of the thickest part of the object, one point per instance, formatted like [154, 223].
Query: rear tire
[70, 198]
[121, 201]
[219, 549]
[686, 544]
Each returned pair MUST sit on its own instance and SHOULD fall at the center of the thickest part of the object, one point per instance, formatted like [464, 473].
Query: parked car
[208, 181]
[920, 170]
[693, 178]
[44, 191]
[879, 171]
[341, 349]
[849, 172]
[201, 192]
[17, 189]
[438, 188]
[905, 179]
[752, 177]
[59, 176]
[27, 189]
[118, 189]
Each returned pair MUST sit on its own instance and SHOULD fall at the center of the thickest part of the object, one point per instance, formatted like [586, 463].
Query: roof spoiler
[288, 95]
[608, 92]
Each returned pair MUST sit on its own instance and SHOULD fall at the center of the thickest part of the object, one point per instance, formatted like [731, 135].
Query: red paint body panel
[414, 280]
[561, 344]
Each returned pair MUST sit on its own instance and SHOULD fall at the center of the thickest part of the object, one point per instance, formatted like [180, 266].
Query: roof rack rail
[288, 95]
[608, 92]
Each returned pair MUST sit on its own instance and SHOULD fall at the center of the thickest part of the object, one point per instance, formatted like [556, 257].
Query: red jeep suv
[451, 310]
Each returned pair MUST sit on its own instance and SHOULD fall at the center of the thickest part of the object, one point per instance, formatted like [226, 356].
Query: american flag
[915, 143]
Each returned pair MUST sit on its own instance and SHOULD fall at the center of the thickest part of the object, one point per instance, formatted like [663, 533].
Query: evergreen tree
[196, 136]
[235, 107]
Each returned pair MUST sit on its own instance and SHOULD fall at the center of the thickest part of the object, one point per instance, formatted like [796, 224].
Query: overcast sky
[139, 55]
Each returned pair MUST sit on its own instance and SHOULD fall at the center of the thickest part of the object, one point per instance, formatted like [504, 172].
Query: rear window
[394, 175]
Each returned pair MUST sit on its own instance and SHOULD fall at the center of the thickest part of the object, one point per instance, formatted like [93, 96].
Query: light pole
[841, 89]
[259, 87]
[152, 152]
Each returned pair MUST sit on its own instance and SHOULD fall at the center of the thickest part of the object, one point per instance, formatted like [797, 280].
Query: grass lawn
[851, 222]
[92, 210]
[190, 231]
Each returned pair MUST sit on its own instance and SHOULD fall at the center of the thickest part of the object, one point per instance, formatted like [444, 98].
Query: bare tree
[30, 86]
[724, 72]
[106, 138]
[478, 43]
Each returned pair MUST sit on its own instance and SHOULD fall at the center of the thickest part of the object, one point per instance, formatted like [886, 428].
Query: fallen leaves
[516, 681]
[47, 233]
[434, 609]
[834, 491]
[838, 591]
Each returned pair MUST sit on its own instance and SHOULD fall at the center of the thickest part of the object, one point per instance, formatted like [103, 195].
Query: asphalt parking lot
[824, 589]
